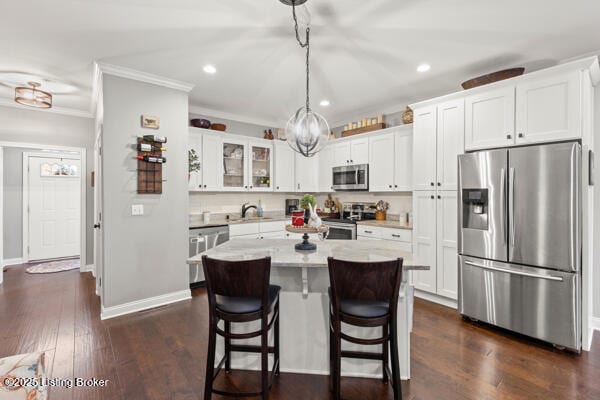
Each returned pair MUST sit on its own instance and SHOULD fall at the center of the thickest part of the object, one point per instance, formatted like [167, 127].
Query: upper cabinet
[390, 161]
[549, 109]
[195, 156]
[261, 166]
[542, 108]
[424, 148]
[307, 173]
[212, 162]
[235, 164]
[325, 166]
[450, 142]
[490, 119]
[284, 167]
[349, 152]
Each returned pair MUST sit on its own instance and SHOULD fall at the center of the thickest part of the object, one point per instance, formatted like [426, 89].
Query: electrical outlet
[137, 209]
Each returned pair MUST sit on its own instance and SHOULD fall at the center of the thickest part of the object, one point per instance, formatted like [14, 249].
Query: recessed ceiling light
[423, 68]
[324, 103]
[210, 69]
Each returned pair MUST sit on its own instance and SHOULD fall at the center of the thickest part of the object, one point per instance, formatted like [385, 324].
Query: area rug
[54, 266]
[23, 377]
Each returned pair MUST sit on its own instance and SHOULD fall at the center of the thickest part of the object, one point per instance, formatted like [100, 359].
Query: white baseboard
[12, 261]
[88, 268]
[434, 298]
[594, 326]
[145, 304]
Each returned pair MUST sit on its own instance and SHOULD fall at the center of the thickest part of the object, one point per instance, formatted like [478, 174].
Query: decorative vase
[407, 116]
[380, 215]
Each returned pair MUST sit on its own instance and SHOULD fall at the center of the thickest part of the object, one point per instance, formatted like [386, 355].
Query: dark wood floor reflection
[159, 354]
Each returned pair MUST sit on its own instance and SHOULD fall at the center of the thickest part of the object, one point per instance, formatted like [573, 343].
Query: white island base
[304, 316]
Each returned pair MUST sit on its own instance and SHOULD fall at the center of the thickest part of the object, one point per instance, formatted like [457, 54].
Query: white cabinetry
[195, 145]
[424, 239]
[350, 152]
[212, 162]
[390, 161]
[257, 230]
[307, 173]
[447, 262]
[434, 241]
[424, 148]
[438, 140]
[284, 167]
[402, 236]
[549, 109]
[490, 118]
[325, 166]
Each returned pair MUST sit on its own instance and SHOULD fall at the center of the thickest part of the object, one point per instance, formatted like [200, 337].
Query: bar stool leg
[331, 357]
[264, 347]
[277, 338]
[227, 347]
[386, 354]
[397, 385]
[210, 358]
[337, 360]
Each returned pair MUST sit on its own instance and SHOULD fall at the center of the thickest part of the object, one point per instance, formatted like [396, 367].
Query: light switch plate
[137, 209]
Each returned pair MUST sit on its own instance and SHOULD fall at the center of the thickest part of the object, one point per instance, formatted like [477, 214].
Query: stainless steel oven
[341, 230]
[351, 177]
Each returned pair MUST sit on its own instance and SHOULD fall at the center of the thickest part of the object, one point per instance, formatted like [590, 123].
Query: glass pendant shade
[307, 132]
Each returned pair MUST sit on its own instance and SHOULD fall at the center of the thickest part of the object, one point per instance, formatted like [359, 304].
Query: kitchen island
[304, 279]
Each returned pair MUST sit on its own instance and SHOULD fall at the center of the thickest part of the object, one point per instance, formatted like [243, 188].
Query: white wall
[144, 256]
[22, 125]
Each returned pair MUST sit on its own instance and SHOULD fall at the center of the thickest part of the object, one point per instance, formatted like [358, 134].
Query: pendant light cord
[306, 45]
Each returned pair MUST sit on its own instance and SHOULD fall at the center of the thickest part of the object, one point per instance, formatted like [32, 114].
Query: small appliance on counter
[345, 227]
[291, 205]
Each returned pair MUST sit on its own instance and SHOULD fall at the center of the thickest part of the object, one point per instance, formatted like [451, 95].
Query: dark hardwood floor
[159, 354]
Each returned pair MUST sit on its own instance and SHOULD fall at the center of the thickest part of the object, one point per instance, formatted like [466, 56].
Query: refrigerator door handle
[510, 271]
[511, 205]
[503, 204]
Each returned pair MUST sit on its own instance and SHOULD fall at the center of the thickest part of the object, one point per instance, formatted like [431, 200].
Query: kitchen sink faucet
[244, 209]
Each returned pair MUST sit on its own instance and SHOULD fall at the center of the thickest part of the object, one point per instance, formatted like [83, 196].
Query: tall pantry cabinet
[438, 129]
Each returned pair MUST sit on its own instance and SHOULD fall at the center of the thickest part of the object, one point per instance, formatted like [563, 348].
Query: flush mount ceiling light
[423, 68]
[32, 96]
[324, 103]
[306, 132]
[210, 69]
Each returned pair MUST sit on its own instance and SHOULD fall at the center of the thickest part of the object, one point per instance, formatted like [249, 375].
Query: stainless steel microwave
[351, 177]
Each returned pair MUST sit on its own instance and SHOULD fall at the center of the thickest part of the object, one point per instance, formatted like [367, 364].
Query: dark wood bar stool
[364, 294]
[239, 291]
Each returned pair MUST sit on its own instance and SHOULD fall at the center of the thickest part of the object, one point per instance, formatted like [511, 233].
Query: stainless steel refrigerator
[520, 240]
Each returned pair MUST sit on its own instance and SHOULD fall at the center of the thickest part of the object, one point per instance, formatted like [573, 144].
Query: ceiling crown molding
[73, 112]
[128, 73]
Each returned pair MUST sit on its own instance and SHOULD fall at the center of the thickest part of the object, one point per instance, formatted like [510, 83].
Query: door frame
[58, 154]
[83, 155]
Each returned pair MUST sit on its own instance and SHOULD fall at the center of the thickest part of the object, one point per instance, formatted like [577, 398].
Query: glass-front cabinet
[235, 170]
[261, 166]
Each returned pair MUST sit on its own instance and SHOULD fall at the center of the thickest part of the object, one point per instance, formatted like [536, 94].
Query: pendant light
[32, 96]
[306, 132]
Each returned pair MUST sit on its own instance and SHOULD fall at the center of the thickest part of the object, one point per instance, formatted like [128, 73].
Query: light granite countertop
[385, 224]
[283, 254]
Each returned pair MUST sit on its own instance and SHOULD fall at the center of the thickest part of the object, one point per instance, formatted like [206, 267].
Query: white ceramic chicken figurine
[314, 220]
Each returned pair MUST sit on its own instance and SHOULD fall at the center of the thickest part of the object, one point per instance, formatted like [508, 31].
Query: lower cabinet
[434, 241]
[403, 237]
[258, 230]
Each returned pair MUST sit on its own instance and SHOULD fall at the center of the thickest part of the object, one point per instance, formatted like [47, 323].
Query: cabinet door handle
[298, 186]
[390, 186]
[368, 231]
[204, 185]
[521, 135]
[351, 161]
[431, 184]
[509, 136]
[395, 235]
[432, 196]
[250, 186]
[200, 186]
[395, 186]
[245, 187]
[277, 187]
[439, 183]
[347, 161]
[439, 197]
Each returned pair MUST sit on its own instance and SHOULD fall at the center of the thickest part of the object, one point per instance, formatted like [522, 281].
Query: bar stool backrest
[247, 278]
[370, 281]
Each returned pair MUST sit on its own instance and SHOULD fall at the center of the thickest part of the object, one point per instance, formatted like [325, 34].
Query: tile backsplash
[232, 202]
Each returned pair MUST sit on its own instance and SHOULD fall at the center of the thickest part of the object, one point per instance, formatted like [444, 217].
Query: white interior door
[54, 201]
[1, 215]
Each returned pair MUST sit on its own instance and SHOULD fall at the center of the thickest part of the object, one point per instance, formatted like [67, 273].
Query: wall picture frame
[150, 122]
